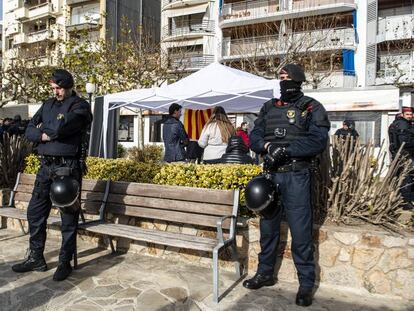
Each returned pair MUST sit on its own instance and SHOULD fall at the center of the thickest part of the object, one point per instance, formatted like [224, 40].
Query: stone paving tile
[138, 283]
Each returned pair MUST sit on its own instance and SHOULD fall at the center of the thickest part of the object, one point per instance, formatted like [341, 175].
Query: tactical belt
[58, 160]
[294, 165]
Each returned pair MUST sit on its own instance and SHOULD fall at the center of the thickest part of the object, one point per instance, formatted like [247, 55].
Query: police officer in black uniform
[57, 128]
[347, 130]
[401, 131]
[291, 132]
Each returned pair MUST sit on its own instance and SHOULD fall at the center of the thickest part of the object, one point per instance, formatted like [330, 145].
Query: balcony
[46, 9]
[189, 62]
[188, 31]
[398, 27]
[335, 79]
[11, 29]
[252, 12]
[396, 69]
[328, 39]
[11, 53]
[82, 26]
[51, 34]
[20, 38]
[172, 4]
[75, 2]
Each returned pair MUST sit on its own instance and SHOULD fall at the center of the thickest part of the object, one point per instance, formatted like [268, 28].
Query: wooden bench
[174, 204]
[93, 196]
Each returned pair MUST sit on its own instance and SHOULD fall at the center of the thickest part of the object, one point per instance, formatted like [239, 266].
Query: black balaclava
[291, 90]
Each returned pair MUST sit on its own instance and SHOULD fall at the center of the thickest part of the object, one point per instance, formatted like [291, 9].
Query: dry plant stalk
[13, 152]
[357, 191]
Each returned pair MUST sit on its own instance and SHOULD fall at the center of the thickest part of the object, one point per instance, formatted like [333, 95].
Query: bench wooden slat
[91, 207]
[25, 188]
[174, 192]
[168, 215]
[86, 196]
[93, 185]
[184, 206]
[27, 179]
[22, 197]
[159, 237]
[92, 196]
[17, 213]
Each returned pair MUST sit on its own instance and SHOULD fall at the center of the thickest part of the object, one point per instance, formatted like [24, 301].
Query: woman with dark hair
[215, 135]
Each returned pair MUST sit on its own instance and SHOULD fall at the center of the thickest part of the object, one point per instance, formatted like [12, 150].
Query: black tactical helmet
[64, 193]
[295, 72]
[261, 196]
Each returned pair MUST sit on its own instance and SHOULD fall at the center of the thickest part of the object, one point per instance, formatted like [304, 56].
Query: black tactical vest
[285, 124]
[67, 146]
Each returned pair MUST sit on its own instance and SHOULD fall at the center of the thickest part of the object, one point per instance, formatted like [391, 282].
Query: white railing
[197, 61]
[20, 38]
[397, 68]
[396, 27]
[206, 26]
[263, 8]
[294, 42]
[181, 2]
[43, 9]
[12, 29]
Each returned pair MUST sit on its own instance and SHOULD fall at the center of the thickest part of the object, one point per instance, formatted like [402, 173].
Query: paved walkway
[131, 282]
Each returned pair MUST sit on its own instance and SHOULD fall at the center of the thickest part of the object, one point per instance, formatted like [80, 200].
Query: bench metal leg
[215, 275]
[235, 258]
[111, 243]
[22, 227]
[75, 254]
[3, 222]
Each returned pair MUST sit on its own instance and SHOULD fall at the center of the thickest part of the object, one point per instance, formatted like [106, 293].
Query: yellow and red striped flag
[194, 121]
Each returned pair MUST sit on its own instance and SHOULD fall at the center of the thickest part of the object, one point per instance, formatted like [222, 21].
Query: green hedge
[114, 169]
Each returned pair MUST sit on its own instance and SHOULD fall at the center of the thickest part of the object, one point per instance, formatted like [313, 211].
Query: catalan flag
[194, 121]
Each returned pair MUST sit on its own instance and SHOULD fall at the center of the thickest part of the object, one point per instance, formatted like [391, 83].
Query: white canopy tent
[216, 84]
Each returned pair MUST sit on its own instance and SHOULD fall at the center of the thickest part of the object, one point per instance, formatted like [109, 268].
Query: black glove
[278, 154]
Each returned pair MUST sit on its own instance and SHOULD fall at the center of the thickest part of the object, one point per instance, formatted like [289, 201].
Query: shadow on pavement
[35, 292]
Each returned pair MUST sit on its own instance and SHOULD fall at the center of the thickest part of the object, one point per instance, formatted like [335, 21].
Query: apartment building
[34, 28]
[189, 33]
[395, 46]
[360, 42]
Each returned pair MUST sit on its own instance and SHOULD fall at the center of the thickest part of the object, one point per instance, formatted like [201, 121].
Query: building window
[126, 129]
[10, 43]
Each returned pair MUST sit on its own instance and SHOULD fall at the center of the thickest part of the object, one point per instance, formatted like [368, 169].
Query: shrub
[121, 170]
[150, 153]
[32, 164]
[121, 151]
[115, 169]
[218, 176]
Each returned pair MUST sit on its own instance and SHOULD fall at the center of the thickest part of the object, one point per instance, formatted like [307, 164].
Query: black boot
[34, 262]
[304, 297]
[259, 280]
[63, 270]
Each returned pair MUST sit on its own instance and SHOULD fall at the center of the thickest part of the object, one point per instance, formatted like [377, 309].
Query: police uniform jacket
[64, 122]
[401, 131]
[301, 127]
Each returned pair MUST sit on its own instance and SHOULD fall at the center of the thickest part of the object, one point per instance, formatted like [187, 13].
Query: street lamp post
[90, 89]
